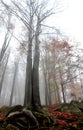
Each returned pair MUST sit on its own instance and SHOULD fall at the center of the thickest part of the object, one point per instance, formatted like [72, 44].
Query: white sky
[70, 21]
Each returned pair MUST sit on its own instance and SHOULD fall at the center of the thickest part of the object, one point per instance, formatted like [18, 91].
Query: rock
[73, 106]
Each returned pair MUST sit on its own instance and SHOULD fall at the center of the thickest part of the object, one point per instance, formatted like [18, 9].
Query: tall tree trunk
[61, 83]
[35, 71]
[28, 81]
[13, 84]
[3, 74]
[47, 61]
[5, 45]
[56, 87]
[46, 86]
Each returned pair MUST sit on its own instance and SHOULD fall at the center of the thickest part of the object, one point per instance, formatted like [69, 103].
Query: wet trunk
[35, 71]
[28, 81]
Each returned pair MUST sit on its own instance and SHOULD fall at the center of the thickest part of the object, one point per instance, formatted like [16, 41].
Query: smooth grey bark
[28, 81]
[45, 75]
[13, 84]
[3, 74]
[47, 62]
[35, 71]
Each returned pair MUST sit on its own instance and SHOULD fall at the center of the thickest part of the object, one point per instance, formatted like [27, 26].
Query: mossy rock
[70, 107]
[65, 107]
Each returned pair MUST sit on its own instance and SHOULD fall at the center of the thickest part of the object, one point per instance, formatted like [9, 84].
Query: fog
[40, 55]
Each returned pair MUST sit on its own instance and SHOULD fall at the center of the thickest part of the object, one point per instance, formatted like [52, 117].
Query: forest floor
[66, 120]
[54, 117]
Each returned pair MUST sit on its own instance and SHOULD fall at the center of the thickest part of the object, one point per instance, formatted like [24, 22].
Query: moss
[11, 127]
[80, 123]
[30, 107]
[4, 109]
[70, 107]
[79, 114]
[65, 107]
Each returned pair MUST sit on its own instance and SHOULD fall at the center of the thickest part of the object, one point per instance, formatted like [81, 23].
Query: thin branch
[72, 78]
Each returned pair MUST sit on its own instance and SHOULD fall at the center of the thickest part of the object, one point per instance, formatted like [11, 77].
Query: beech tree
[8, 27]
[3, 74]
[14, 81]
[4, 51]
[32, 13]
[63, 72]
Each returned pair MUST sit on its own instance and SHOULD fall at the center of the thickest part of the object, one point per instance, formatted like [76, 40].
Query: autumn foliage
[66, 120]
[54, 119]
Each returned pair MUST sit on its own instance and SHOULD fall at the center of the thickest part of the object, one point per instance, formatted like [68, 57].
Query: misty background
[60, 47]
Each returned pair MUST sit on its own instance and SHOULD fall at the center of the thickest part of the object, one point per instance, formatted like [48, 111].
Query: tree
[14, 79]
[3, 74]
[4, 51]
[62, 69]
[41, 14]
[32, 16]
[8, 35]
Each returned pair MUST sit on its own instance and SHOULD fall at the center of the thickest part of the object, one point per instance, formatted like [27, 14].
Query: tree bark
[3, 74]
[13, 84]
[28, 82]
[35, 71]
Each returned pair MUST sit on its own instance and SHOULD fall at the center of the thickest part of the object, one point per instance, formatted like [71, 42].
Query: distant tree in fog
[62, 70]
[8, 34]
[4, 70]
[14, 81]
